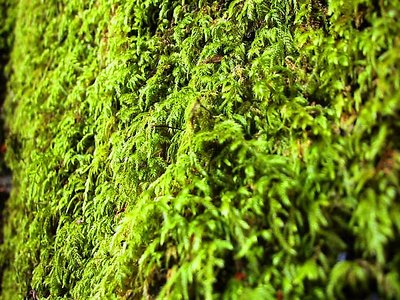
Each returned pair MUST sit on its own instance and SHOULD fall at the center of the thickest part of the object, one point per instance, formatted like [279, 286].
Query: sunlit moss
[238, 149]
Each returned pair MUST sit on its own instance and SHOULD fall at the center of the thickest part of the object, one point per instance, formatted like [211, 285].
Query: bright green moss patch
[242, 149]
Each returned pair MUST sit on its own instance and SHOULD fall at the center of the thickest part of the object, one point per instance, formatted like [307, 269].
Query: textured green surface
[241, 149]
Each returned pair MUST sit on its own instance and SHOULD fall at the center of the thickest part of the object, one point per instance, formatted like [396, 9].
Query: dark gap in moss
[250, 35]
[318, 18]
[157, 280]
[225, 274]
[31, 294]
[367, 289]
[149, 19]
[360, 21]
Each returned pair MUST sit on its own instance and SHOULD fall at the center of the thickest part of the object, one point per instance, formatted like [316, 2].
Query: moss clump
[238, 149]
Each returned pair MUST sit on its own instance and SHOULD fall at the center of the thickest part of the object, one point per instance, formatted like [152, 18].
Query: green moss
[238, 149]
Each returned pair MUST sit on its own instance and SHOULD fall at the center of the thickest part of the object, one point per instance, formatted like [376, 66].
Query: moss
[238, 149]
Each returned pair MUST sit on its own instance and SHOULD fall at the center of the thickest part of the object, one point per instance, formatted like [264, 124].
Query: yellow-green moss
[240, 149]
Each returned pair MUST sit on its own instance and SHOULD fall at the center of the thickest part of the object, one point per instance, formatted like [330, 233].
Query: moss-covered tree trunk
[243, 149]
